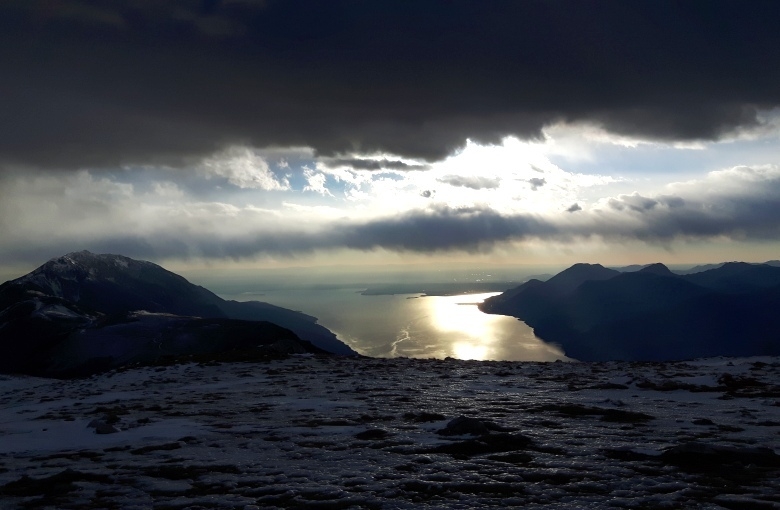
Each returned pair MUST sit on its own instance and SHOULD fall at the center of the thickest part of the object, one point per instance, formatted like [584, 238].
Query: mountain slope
[114, 284]
[301, 324]
[82, 307]
[538, 300]
[654, 314]
[569, 279]
[738, 277]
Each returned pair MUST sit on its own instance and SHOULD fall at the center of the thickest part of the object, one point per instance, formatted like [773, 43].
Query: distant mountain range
[83, 312]
[691, 270]
[652, 314]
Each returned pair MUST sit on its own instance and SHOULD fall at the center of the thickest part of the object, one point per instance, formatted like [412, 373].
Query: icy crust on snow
[330, 432]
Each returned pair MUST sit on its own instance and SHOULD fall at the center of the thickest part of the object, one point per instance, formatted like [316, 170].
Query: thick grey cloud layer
[370, 164]
[742, 204]
[104, 82]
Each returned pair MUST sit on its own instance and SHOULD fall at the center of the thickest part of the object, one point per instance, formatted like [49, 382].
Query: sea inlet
[414, 325]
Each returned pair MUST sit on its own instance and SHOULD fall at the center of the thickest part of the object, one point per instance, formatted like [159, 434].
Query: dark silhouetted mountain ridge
[116, 284]
[658, 269]
[653, 314]
[84, 310]
[569, 279]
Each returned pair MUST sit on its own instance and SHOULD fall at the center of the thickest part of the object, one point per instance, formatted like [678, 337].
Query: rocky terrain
[313, 431]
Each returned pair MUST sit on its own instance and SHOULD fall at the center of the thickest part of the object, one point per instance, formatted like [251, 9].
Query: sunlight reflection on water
[417, 327]
[464, 332]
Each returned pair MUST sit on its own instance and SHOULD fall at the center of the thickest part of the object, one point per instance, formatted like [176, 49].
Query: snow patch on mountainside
[51, 312]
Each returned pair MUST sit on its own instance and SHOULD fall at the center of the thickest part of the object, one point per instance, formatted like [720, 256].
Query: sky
[371, 134]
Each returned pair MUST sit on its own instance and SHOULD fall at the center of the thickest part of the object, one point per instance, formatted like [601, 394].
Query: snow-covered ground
[326, 432]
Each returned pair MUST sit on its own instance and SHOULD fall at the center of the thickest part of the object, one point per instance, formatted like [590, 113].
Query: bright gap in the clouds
[518, 197]
[574, 168]
[513, 177]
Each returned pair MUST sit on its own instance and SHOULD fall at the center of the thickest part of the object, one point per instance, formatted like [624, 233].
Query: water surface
[415, 326]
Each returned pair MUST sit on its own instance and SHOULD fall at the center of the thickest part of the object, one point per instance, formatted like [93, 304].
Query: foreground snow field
[329, 432]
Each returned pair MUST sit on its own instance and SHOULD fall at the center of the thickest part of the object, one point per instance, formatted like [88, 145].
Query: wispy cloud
[242, 167]
[316, 182]
[371, 164]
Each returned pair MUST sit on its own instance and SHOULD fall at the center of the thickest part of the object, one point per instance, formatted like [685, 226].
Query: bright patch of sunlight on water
[416, 327]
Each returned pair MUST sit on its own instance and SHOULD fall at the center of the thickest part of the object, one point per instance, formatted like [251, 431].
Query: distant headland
[650, 313]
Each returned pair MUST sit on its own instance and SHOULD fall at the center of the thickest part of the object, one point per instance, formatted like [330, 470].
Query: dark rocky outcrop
[473, 426]
[51, 486]
[372, 435]
[702, 457]
[486, 443]
[102, 427]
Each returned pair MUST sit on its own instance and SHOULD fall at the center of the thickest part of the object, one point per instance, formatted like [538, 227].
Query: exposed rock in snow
[464, 425]
[705, 457]
[102, 427]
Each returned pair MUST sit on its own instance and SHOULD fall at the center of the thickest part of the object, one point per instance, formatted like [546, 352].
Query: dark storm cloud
[471, 181]
[749, 212]
[442, 229]
[536, 183]
[371, 164]
[103, 82]
[574, 208]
